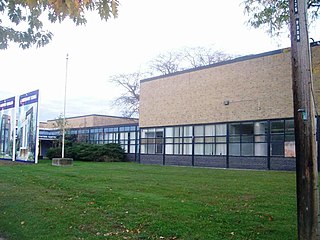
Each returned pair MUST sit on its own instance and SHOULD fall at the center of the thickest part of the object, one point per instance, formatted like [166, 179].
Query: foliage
[275, 13]
[133, 201]
[129, 100]
[90, 152]
[60, 123]
[54, 152]
[27, 15]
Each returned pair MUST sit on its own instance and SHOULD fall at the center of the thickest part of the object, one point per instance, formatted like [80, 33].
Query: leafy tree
[129, 100]
[58, 123]
[275, 13]
[20, 21]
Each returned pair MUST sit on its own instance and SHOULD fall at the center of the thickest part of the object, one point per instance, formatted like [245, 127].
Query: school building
[233, 114]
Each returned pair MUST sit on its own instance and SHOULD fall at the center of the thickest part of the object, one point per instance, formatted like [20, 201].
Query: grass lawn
[133, 201]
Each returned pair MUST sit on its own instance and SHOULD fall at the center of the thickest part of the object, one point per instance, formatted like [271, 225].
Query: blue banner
[7, 128]
[7, 103]
[29, 98]
[27, 131]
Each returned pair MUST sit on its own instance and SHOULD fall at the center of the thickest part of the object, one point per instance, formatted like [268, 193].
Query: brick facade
[91, 121]
[249, 88]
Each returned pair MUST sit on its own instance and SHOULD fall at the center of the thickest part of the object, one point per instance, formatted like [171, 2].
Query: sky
[124, 45]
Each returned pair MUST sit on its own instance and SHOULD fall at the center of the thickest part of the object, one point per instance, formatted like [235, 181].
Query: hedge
[111, 152]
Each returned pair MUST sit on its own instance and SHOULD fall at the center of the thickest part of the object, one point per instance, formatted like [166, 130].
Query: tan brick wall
[316, 73]
[259, 88]
[43, 124]
[92, 121]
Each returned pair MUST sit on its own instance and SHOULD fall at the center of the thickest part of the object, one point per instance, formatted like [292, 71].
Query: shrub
[90, 152]
[53, 152]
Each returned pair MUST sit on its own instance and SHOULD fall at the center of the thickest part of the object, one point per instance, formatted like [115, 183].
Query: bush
[90, 152]
[54, 152]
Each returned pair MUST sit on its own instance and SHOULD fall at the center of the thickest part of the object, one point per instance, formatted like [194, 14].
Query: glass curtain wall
[210, 139]
[152, 140]
[179, 140]
[248, 139]
[282, 138]
[273, 138]
[126, 136]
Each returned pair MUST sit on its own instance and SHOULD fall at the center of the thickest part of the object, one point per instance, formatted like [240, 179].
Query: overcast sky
[98, 50]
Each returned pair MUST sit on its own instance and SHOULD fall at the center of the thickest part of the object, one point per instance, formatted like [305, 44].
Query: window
[289, 144]
[210, 139]
[124, 140]
[248, 138]
[179, 140]
[132, 142]
[152, 141]
[234, 139]
[187, 140]
[199, 140]
[83, 135]
[277, 138]
[260, 138]
[96, 135]
[282, 141]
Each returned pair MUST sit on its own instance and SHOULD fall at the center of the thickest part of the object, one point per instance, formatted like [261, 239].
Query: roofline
[97, 115]
[98, 126]
[106, 126]
[239, 59]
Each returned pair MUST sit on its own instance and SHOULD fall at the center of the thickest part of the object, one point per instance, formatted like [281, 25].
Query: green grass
[132, 201]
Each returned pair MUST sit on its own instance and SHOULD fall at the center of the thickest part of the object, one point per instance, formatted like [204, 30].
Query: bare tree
[166, 63]
[186, 58]
[129, 100]
[201, 56]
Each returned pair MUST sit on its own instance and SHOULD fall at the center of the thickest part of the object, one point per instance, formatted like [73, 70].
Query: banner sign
[7, 128]
[27, 131]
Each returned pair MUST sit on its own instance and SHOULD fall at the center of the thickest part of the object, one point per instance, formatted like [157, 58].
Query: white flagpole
[64, 107]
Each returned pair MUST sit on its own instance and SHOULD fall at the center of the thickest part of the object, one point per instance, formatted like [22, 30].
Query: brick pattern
[176, 160]
[316, 72]
[287, 164]
[210, 161]
[257, 163]
[259, 88]
[131, 157]
[151, 159]
[91, 121]
[248, 162]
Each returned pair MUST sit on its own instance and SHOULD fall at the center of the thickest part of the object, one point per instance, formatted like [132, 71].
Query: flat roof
[238, 59]
[96, 115]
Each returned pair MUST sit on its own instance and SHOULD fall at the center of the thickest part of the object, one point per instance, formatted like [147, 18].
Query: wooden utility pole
[304, 118]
